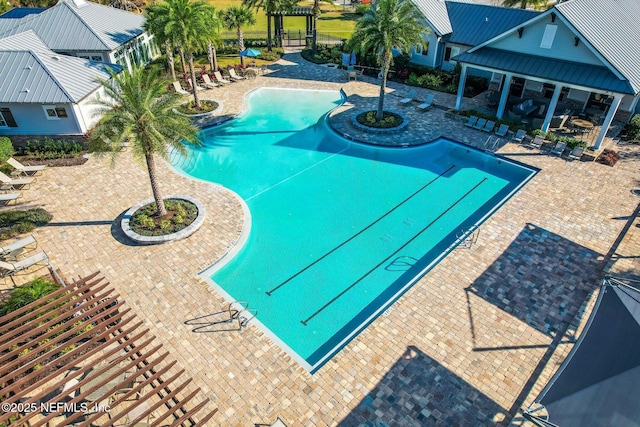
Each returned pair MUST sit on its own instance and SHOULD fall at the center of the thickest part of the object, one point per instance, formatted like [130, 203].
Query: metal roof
[611, 27]
[32, 73]
[473, 24]
[592, 76]
[435, 12]
[78, 26]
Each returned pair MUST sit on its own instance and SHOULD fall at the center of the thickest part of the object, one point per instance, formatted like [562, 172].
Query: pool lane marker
[334, 299]
[271, 291]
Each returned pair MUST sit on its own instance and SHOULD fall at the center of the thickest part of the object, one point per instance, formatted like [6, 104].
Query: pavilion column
[552, 107]
[504, 95]
[463, 78]
[607, 120]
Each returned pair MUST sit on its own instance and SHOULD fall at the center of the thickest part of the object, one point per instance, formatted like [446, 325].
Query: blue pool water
[339, 230]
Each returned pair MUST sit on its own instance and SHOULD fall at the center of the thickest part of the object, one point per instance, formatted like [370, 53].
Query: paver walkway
[462, 347]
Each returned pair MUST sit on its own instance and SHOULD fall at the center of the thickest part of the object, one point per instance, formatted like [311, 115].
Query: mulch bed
[71, 161]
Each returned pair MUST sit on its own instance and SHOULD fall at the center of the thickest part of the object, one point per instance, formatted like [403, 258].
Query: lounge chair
[489, 126]
[7, 198]
[409, 97]
[520, 135]
[559, 148]
[233, 75]
[427, 102]
[11, 184]
[25, 170]
[178, 88]
[9, 269]
[480, 124]
[206, 82]
[219, 78]
[536, 142]
[471, 122]
[576, 153]
[198, 88]
[18, 246]
[502, 130]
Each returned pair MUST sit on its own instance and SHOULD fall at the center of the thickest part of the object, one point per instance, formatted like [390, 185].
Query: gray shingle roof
[32, 73]
[612, 27]
[84, 26]
[549, 68]
[435, 12]
[473, 24]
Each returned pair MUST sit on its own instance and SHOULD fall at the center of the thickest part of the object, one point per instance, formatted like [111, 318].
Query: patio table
[582, 125]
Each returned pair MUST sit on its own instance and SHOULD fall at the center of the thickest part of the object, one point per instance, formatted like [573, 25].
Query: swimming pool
[339, 230]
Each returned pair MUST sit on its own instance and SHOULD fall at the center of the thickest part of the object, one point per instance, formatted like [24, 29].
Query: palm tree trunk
[194, 83]
[182, 61]
[386, 63]
[241, 45]
[212, 56]
[269, 32]
[316, 7]
[171, 63]
[151, 167]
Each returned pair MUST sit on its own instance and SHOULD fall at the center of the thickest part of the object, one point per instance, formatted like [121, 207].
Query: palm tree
[388, 24]
[213, 37]
[139, 108]
[186, 25]
[237, 17]
[535, 4]
[270, 7]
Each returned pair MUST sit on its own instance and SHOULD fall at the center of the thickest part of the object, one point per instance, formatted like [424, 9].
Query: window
[55, 113]
[418, 49]
[450, 52]
[6, 119]
[548, 36]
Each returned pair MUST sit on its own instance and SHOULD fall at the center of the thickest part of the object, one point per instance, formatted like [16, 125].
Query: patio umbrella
[250, 53]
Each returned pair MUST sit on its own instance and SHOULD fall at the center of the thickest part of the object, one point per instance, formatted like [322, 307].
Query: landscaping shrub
[389, 120]
[15, 222]
[362, 9]
[6, 148]
[323, 55]
[274, 55]
[49, 148]
[181, 213]
[632, 129]
[608, 157]
[26, 294]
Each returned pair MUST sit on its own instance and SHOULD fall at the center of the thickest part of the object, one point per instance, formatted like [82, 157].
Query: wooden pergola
[81, 347]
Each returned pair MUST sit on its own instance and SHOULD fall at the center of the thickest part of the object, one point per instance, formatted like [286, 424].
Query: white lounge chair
[427, 102]
[11, 184]
[178, 88]
[233, 75]
[409, 98]
[480, 124]
[9, 269]
[576, 153]
[559, 148]
[502, 130]
[489, 126]
[206, 81]
[6, 198]
[219, 78]
[519, 136]
[26, 170]
[19, 245]
[198, 88]
[471, 122]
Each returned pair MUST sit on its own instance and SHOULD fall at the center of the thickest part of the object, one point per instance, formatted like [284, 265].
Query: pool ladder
[240, 311]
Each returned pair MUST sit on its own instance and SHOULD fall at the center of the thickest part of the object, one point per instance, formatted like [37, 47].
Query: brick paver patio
[462, 347]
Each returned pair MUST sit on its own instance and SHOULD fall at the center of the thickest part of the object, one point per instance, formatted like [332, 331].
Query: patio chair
[519, 136]
[178, 88]
[536, 142]
[9, 269]
[17, 246]
[559, 148]
[7, 198]
[502, 130]
[576, 153]
[471, 122]
[427, 102]
[480, 124]
[11, 184]
[198, 88]
[489, 126]
[25, 170]
[233, 75]
[219, 78]
[409, 97]
[206, 81]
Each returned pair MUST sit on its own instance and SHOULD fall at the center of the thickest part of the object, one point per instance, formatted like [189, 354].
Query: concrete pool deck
[464, 346]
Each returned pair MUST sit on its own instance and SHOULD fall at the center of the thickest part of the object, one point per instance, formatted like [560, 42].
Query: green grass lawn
[333, 19]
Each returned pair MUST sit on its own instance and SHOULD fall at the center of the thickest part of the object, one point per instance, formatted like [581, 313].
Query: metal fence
[289, 38]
